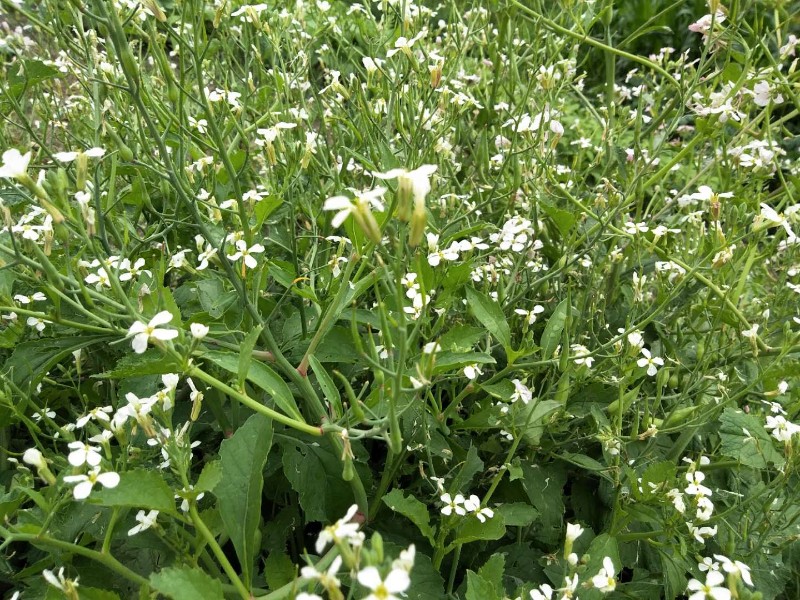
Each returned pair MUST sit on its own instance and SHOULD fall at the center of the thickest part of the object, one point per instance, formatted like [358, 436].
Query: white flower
[782, 430]
[343, 530]
[199, 331]
[544, 592]
[651, 362]
[59, 581]
[406, 559]
[327, 578]
[696, 487]
[243, 251]
[605, 580]
[144, 521]
[574, 531]
[142, 333]
[530, 315]
[15, 165]
[472, 371]
[396, 582]
[83, 454]
[713, 588]
[85, 483]
[762, 94]
[453, 504]
[66, 157]
[33, 457]
[345, 206]
[735, 567]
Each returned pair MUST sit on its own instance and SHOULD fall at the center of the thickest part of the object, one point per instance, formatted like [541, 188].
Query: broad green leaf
[186, 583]
[31, 361]
[92, 593]
[473, 530]
[492, 571]
[214, 298]
[239, 490]
[551, 336]
[246, 353]
[480, 589]
[745, 439]
[27, 73]
[279, 570]
[461, 338]
[327, 385]
[307, 475]
[601, 547]
[262, 376]
[563, 219]
[151, 362]
[411, 508]
[210, 476]
[544, 486]
[587, 463]
[472, 464]
[491, 316]
[517, 514]
[530, 419]
[449, 361]
[138, 489]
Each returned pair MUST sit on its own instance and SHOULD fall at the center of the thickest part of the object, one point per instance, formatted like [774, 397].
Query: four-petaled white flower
[242, 251]
[396, 582]
[713, 588]
[345, 529]
[83, 454]
[452, 505]
[66, 157]
[651, 362]
[144, 521]
[85, 483]
[142, 333]
[15, 165]
[530, 315]
[605, 580]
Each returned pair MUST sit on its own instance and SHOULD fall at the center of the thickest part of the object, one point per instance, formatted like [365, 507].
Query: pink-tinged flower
[396, 582]
[109, 479]
[142, 333]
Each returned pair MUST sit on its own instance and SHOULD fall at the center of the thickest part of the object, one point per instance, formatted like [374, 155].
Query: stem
[223, 560]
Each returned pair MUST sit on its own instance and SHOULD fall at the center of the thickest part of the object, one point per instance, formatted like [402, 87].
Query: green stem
[215, 548]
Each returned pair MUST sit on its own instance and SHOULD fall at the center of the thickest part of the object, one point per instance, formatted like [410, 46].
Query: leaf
[490, 315]
[544, 486]
[601, 547]
[449, 361]
[262, 376]
[413, 509]
[745, 439]
[151, 362]
[246, 353]
[480, 589]
[210, 476]
[31, 361]
[213, 297]
[563, 219]
[530, 419]
[461, 338]
[279, 570]
[327, 385]
[29, 73]
[517, 514]
[186, 583]
[138, 489]
[239, 490]
[473, 530]
[306, 474]
[551, 336]
[472, 465]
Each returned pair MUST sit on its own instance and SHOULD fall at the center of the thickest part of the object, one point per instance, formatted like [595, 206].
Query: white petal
[370, 578]
[165, 334]
[140, 343]
[109, 480]
[397, 581]
[82, 490]
[337, 203]
[161, 318]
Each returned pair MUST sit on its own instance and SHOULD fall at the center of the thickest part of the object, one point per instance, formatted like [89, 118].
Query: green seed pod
[348, 470]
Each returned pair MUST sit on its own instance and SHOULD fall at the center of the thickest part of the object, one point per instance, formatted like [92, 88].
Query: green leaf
[151, 362]
[210, 476]
[517, 514]
[472, 465]
[745, 439]
[461, 338]
[601, 547]
[262, 376]
[138, 489]
[551, 336]
[239, 490]
[31, 361]
[491, 316]
[480, 589]
[27, 73]
[186, 583]
[213, 297]
[473, 530]
[563, 219]
[411, 508]
[449, 361]
[530, 419]
[246, 353]
[327, 385]
[279, 570]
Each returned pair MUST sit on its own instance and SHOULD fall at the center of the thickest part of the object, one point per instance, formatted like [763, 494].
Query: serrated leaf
[517, 514]
[31, 361]
[490, 315]
[473, 530]
[138, 489]
[479, 589]
[239, 490]
[745, 439]
[186, 583]
[551, 336]
[210, 476]
[262, 376]
[411, 508]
